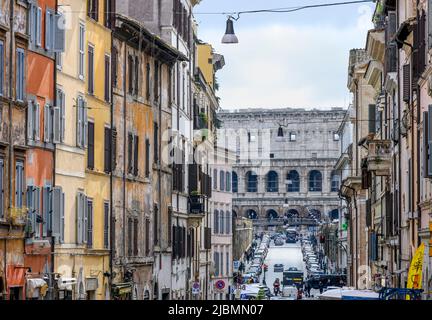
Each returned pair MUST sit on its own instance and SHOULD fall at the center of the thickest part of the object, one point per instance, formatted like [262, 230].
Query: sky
[297, 59]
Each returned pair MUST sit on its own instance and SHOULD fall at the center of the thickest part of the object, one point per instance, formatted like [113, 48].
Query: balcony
[379, 157]
[196, 209]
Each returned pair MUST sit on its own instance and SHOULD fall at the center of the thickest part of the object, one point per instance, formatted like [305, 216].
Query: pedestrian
[321, 286]
[307, 289]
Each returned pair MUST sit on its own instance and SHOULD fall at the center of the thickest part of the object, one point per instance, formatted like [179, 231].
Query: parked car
[278, 267]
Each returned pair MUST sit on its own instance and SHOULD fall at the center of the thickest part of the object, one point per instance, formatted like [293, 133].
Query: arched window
[272, 214]
[334, 183]
[222, 180]
[315, 214]
[272, 182]
[251, 214]
[292, 213]
[234, 182]
[216, 222]
[293, 181]
[215, 172]
[251, 182]
[315, 181]
[334, 214]
[280, 132]
[228, 181]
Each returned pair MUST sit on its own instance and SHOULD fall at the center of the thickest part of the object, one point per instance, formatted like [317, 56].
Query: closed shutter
[59, 33]
[107, 79]
[30, 207]
[406, 83]
[79, 132]
[147, 231]
[56, 213]
[37, 206]
[107, 150]
[38, 26]
[429, 141]
[106, 225]
[429, 22]
[90, 150]
[48, 30]
[136, 76]
[30, 120]
[174, 241]
[130, 153]
[2, 64]
[90, 70]
[46, 210]
[136, 155]
[46, 123]
[57, 125]
[62, 218]
[135, 238]
[388, 211]
[2, 209]
[37, 122]
[193, 178]
[85, 124]
[216, 222]
[114, 148]
[147, 160]
[80, 217]
[426, 155]
[368, 213]
[155, 143]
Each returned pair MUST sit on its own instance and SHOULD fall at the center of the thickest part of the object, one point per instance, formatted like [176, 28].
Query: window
[216, 263]
[2, 65]
[48, 124]
[81, 220]
[109, 9]
[107, 90]
[221, 222]
[315, 181]
[215, 172]
[81, 129]
[293, 136]
[131, 74]
[90, 149]
[106, 225]
[147, 163]
[272, 182]
[47, 205]
[293, 181]
[147, 235]
[135, 237]
[49, 29]
[155, 142]
[114, 59]
[81, 51]
[334, 183]
[234, 182]
[251, 182]
[280, 132]
[38, 37]
[89, 223]
[216, 222]
[133, 143]
[20, 74]
[33, 120]
[2, 188]
[130, 236]
[148, 81]
[19, 183]
[90, 70]
[156, 81]
[92, 9]
[136, 76]
[228, 181]
[222, 180]
[107, 150]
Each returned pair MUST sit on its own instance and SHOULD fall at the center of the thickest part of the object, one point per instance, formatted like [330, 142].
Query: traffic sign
[220, 284]
[196, 288]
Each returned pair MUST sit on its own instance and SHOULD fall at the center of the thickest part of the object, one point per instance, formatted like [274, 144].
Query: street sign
[220, 284]
[196, 288]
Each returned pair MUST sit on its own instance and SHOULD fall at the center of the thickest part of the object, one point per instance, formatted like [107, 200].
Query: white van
[289, 292]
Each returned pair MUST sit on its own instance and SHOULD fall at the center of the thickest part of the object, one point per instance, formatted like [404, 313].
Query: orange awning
[15, 276]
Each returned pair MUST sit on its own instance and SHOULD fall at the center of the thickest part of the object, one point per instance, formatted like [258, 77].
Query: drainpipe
[112, 160]
[124, 154]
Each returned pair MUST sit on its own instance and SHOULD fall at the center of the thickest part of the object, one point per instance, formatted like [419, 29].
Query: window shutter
[147, 164]
[2, 60]
[79, 122]
[57, 125]
[46, 123]
[30, 120]
[107, 150]
[90, 149]
[368, 213]
[30, 211]
[48, 28]
[79, 219]
[114, 148]
[59, 33]
[46, 207]
[56, 213]
[62, 116]
[406, 82]
[85, 125]
[130, 152]
[372, 118]
[106, 225]
[429, 22]
[37, 205]
[36, 118]
[85, 222]
[136, 155]
[38, 26]
[425, 157]
[429, 141]
[62, 218]
[193, 177]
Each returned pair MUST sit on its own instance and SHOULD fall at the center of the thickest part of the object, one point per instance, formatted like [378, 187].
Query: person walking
[307, 289]
[321, 287]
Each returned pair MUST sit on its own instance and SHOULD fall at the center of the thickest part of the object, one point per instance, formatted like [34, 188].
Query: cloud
[286, 66]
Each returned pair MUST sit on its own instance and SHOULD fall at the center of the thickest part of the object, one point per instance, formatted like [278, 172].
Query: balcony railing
[379, 157]
[196, 204]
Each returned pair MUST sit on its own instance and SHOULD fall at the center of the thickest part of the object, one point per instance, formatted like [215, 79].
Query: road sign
[196, 288]
[220, 284]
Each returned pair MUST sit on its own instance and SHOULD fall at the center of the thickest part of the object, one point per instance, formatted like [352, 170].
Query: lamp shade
[229, 36]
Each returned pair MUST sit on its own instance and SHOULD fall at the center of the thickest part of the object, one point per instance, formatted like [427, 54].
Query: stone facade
[292, 152]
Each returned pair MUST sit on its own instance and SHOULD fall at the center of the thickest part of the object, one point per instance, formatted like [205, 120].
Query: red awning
[15, 276]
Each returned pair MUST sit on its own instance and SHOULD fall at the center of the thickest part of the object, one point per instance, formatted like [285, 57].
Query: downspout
[124, 153]
[11, 50]
[112, 161]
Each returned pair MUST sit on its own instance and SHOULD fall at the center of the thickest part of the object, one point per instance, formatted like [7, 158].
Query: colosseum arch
[272, 214]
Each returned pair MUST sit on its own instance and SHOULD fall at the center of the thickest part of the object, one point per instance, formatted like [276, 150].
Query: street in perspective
[217, 150]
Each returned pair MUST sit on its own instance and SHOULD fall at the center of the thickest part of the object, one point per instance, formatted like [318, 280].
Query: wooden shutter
[36, 125]
[388, 212]
[2, 208]
[46, 123]
[193, 177]
[62, 116]
[46, 207]
[85, 124]
[136, 155]
[113, 148]
[48, 28]
[37, 206]
[30, 120]
[136, 76]
[135, 238]
[106, 225]
[107, 150]
[2, 64]
[38, 26]
[130, 153]
[90, 149]
[80, 120]
[406, 83]
[57, 125]
[59, 33]
[80, 218]
[368, 213]
[107, 79]
[30, 211]
[147, 231]
[56, 212]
